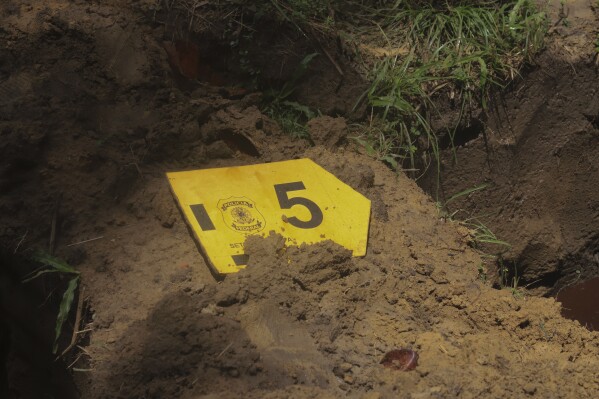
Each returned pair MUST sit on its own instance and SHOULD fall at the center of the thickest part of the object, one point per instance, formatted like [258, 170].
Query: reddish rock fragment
[401, 359]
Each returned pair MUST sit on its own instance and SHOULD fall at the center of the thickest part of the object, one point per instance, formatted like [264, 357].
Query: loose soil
[92, 114]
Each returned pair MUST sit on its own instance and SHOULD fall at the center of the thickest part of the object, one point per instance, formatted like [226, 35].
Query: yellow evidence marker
[297, 199]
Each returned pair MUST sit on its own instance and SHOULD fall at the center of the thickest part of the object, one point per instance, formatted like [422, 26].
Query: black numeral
[286, 203]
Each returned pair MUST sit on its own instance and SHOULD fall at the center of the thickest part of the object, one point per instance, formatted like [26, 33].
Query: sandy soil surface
[91, 118]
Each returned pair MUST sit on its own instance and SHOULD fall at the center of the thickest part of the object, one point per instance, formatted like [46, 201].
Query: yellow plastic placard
[298, 199]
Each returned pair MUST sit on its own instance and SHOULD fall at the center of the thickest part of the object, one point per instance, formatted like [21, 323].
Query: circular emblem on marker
[241, 214]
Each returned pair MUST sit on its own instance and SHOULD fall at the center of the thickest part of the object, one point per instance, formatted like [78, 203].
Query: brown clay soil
[92, 116]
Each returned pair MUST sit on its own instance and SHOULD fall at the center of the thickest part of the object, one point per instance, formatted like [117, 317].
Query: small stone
[190, 132]
[125, 268]
[349, 379]
[219, 149]
[529, 389]
[101, 268]
[210, 309]
[253, 370]
[103, 321]
[182, 275]
[203, 112]
[346, 367]
[400, 359]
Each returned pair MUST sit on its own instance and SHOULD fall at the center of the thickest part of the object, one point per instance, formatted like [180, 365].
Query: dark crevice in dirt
[235, 55]
[594, 119]
[548, 281]
[202, 59]
[570, 270]
[462, 135]
[577, 267]
[16, 172]
[27, 320]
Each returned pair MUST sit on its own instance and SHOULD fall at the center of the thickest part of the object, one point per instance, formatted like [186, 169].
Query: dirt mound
[93, 121]
[316, 318]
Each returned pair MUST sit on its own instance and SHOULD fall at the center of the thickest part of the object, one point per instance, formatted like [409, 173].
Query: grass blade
[55, 263]
[466, 192]
[65, 308]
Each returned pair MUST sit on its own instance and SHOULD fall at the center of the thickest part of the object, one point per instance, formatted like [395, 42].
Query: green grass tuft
[51, 264]
[290, 115]
[459, 49]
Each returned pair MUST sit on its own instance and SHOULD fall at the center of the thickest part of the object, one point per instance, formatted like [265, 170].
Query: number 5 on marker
[287, 203]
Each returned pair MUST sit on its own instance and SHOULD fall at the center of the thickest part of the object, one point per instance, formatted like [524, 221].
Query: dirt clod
[327, 131]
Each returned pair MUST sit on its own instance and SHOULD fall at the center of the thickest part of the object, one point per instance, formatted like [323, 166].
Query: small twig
[84, 241]
[84, 331]
[54, 223]
[77, 321]
[82, 370]
[242, 25]
[224, 350]
[135, 159]
[48, 297]
[328, 55]
[454, 249]
[74, 361]
[21, 241]
[118, 51]
[82, 349]
[529, 284]
[337, 67]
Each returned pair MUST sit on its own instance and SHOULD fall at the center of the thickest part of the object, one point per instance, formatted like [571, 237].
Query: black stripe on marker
[241, 259]
[202, 217]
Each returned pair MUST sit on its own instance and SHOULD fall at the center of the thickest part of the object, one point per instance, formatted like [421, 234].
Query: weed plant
[509, 278]
[462, 49]
[481, 238]
[290, 115]
[377, 138]
[51, 264]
